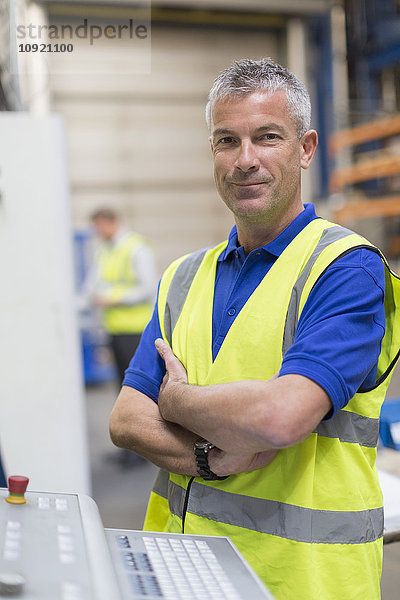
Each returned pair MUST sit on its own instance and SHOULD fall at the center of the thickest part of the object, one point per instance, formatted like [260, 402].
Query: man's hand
[174, 378]
[103, 302]
[221, 463]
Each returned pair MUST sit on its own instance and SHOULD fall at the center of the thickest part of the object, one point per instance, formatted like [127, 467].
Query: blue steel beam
[385, 58]
[319, 27]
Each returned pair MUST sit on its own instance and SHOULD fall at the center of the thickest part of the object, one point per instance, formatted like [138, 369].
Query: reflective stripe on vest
[268, 516]
[160, 486]
[275, 518]
[330, 235]
[352, 428]
[179, 289]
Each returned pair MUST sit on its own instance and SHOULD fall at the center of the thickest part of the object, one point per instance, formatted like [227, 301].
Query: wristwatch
[201, 450]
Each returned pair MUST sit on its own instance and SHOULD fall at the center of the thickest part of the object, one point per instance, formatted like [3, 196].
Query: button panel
[42, 541]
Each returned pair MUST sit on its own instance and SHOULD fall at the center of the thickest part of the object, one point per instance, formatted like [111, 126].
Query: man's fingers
[166, 354]
[163, 349]
[172, 364]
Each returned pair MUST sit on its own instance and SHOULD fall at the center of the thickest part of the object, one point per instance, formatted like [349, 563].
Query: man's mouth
[247, 183]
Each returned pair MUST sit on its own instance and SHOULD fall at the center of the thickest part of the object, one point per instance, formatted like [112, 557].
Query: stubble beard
[253, 207]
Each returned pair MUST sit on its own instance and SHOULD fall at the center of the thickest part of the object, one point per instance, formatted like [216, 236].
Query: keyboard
[175, 566]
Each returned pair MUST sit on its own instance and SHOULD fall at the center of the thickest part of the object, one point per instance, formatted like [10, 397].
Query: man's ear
[309, 143]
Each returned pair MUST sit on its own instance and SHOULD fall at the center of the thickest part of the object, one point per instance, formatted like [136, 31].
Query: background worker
[264, 415]
[123, 284]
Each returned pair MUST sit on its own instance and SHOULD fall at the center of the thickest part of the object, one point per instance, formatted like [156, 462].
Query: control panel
[48, 543]
[53, 547]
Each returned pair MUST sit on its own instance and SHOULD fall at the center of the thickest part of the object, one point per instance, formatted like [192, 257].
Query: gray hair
[247, 76]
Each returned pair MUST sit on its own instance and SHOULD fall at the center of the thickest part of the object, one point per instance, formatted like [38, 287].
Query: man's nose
[247, 159]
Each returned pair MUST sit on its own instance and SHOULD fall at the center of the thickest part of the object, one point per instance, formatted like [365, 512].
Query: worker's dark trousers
[124, 347]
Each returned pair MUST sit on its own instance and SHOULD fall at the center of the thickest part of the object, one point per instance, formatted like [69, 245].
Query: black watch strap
[201, 450]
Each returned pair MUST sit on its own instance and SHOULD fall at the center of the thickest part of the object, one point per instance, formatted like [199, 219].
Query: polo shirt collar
[278, 245]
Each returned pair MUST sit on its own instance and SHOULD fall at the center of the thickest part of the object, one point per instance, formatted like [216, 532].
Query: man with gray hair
[258, 382]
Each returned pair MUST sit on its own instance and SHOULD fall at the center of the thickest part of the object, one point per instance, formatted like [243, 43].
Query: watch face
[203, 445]
[200, 443]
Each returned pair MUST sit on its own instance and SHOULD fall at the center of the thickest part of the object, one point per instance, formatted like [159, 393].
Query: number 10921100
[45, 47]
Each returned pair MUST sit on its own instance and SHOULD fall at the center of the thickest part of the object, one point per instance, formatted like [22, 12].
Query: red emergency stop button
[17, 485]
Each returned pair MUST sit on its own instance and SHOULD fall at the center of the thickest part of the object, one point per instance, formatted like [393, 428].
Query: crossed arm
[248, 421]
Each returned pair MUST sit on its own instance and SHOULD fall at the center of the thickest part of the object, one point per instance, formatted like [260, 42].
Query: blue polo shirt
[339, 333]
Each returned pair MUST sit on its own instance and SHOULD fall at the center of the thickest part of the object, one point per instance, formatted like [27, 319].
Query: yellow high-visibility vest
[115, 263]
[311, 522]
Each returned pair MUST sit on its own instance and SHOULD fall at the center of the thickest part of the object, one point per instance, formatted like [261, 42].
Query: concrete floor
[121, 494]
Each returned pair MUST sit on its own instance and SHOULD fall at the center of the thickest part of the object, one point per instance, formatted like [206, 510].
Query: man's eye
[226, 140]
[270, 136]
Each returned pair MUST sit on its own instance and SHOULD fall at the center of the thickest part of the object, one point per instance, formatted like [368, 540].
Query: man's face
[257, 154]
[105, 228]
